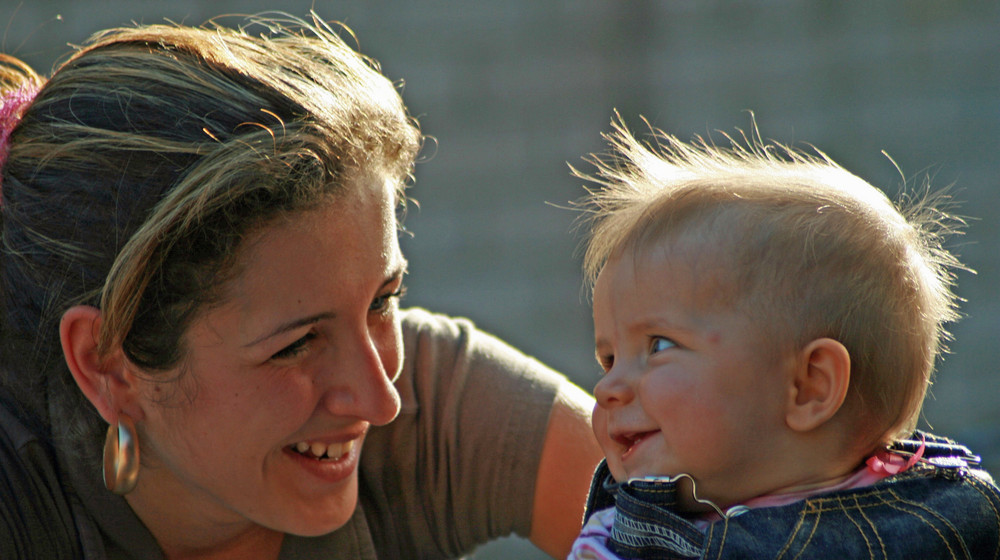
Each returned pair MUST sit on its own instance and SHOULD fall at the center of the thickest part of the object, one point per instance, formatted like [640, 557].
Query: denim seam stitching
[934, 514]
[837, 504]
[824, 504]
[652, 518]
[722, 542]
[812, 533]
[874, 529]
[794, 532]
[991, 497]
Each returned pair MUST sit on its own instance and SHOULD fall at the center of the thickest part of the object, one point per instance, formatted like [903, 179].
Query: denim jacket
[944, 507]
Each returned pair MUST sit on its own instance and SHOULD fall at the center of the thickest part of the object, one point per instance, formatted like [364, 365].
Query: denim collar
[647, 525]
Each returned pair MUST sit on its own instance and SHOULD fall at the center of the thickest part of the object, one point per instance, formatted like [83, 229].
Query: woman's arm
[569, 457]
[478, 417]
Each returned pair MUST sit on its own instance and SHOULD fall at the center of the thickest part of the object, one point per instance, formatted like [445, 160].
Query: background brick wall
[514, 90]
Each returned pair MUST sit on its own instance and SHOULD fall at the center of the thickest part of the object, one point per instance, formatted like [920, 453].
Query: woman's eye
[382, 302]
[659, 344]
[294, 349]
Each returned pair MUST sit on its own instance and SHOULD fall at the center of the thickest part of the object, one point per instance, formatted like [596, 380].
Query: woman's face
[280, 383]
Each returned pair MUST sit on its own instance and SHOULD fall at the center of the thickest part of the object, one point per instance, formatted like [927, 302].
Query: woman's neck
[261, 544]
[191, 533]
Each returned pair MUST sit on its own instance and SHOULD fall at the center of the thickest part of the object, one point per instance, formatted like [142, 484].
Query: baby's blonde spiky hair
[810, 251]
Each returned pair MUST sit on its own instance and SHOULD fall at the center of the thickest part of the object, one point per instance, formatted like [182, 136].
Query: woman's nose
[364, 374]
[614, 388]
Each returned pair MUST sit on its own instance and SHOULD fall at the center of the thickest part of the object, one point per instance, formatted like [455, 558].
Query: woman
[200, 259]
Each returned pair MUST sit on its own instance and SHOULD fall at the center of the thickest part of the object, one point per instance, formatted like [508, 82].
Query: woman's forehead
[347, 226]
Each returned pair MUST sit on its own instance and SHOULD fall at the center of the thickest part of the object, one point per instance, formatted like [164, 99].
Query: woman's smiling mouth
[320, 450]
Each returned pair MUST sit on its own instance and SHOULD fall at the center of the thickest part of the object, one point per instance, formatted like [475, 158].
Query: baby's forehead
[703, 247]
[694, 280]
[699, 268]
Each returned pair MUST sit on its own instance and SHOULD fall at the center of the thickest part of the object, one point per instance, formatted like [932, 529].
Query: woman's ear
[819, 385]
[104, 381]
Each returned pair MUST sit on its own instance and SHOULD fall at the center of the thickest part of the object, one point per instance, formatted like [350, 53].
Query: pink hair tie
[887, 463]
[12, 105]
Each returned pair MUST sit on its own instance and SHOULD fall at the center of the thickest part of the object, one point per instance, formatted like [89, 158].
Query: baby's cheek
[612, 451]
[599, 422]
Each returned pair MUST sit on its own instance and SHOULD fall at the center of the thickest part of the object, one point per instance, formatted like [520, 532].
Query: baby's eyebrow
[653, 324]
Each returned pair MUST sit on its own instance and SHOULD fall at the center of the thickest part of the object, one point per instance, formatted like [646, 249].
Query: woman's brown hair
[144, 162]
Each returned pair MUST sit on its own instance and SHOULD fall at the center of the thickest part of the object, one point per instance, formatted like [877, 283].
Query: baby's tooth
[301, 447]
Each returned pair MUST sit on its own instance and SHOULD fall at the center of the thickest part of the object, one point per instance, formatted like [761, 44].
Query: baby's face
[690, 386]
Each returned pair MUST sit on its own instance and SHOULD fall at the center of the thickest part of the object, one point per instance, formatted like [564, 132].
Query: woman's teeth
[317, 450]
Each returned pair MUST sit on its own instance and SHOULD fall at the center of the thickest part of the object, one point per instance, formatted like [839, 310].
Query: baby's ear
[819, 385]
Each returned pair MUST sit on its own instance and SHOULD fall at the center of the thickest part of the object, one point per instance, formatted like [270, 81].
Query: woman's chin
[322, 515]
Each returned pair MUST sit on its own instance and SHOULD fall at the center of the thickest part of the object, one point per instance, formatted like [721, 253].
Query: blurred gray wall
[514, 90]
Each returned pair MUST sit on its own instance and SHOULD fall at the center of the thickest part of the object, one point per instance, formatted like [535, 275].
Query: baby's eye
[659, 344]
[606, 362]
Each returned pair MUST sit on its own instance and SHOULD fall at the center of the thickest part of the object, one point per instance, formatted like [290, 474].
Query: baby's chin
[637, 471]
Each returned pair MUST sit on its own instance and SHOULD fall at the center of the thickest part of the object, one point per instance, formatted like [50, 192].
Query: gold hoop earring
[121, 456]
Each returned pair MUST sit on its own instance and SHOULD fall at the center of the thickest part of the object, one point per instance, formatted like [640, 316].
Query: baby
[767, 324]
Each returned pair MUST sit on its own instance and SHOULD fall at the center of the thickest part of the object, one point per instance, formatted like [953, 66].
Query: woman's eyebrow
[397, 271]
[291, 325]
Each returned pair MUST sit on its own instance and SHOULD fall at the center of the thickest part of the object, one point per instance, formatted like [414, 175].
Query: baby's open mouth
[630, 439]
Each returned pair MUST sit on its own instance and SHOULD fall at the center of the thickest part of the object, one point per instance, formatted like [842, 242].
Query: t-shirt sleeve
[457, 467]
[35, 517]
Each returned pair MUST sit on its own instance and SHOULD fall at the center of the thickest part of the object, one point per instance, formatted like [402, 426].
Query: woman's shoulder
[36, 519]
[443, 349]
[23, 454]
[419, 321]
